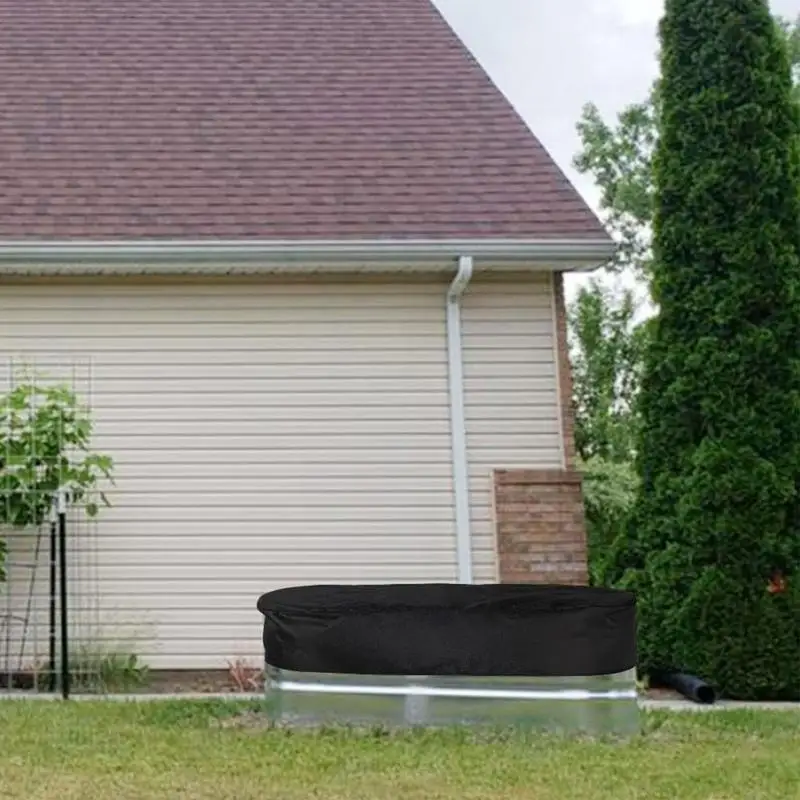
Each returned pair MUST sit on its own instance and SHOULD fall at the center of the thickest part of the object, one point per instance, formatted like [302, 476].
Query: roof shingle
[268, 119]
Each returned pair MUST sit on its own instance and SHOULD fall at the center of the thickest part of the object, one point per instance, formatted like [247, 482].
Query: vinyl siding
[511, 392]
[265, 434]
[270, 433]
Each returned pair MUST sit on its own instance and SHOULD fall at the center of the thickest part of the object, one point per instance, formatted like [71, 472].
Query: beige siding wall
[270, 433]
[511, 392]
[265, 434]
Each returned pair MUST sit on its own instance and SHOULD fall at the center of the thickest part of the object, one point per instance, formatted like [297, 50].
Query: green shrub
[609, 490]
[719, 450]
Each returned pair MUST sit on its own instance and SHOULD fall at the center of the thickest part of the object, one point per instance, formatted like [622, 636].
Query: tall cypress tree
[716, 520]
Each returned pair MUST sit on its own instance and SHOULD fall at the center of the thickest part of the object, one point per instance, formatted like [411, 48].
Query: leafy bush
[719, 452]
[45, 438]
[609, 491]
[606, 347]
[742, 637]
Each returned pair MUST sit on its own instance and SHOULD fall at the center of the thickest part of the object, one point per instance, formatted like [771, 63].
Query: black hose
[690, 686]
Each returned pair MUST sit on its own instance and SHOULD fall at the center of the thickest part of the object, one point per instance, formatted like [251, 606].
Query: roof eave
[543, 254]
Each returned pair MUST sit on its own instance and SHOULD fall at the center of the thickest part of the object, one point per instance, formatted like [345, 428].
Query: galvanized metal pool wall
[596, 705]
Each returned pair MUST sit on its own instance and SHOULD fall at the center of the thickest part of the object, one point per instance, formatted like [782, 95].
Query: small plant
[245, 677]
[93, 670]
[45, 437]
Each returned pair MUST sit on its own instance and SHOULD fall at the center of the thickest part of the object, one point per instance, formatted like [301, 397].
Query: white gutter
[572, 253]
[458, 423]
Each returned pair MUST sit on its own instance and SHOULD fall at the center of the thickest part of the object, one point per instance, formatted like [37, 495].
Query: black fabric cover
[450, 629]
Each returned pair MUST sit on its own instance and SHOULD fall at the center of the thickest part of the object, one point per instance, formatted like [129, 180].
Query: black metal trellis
[50, 634]
[58, 598]
[58, 661]
[62, 585]
[51, 661]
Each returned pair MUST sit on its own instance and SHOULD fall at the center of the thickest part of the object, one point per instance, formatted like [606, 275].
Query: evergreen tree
[715, 522]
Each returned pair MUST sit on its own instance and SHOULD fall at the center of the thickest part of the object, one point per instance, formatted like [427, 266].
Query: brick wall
[540, 529]
[539, 516]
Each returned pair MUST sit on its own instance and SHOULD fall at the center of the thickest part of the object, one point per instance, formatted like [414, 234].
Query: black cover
[450, 629]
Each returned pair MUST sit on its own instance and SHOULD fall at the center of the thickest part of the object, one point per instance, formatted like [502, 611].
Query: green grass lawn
[176, 750]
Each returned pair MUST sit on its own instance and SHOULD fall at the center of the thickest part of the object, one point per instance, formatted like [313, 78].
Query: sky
[550, 57]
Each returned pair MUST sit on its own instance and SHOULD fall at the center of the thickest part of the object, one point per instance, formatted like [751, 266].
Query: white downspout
[458, 423]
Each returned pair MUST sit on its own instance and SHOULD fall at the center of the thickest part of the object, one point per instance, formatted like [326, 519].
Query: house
[304, 261]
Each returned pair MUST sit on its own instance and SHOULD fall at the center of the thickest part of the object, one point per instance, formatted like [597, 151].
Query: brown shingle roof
[269, 119]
